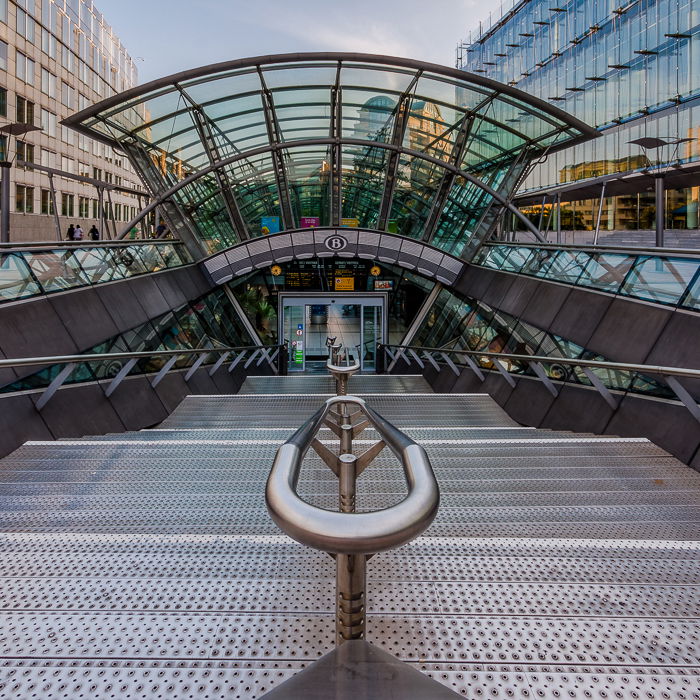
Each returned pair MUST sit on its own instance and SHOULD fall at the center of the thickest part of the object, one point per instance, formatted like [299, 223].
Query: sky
[167, 36]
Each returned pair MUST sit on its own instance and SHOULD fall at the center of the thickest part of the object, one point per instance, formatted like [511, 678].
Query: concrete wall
[83, 409]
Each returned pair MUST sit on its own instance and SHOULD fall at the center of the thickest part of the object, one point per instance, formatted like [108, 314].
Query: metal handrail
[86, 243]
[350, 537]
[70, 362]
[65, 359]
[593, 249]
[620, 366]
[535, 362]
[352, 533]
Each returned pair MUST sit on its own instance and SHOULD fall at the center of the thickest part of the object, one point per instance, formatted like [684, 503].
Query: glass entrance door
[355, 322]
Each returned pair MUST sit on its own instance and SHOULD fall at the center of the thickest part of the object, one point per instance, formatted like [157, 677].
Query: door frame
[376, 299]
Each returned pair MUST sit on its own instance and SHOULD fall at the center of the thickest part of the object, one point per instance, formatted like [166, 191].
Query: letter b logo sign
[336, 243]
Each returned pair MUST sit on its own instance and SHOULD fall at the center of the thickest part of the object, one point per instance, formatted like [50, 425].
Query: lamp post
[16, 129]
[648, 142]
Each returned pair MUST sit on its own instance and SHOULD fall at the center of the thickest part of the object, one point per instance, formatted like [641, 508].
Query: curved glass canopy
[256, 146]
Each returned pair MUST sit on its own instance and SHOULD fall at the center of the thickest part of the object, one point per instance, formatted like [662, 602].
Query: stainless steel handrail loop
[351, 537]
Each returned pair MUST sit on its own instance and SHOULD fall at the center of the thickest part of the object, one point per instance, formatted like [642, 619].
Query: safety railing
[671, 277]
[652, 380]
[31, 269]
[350, 537]
[116, 366]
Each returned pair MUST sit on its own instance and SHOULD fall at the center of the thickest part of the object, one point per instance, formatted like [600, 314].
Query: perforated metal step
[145, 565]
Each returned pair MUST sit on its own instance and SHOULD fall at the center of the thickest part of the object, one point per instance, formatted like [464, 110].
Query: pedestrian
[78, 233]
[94, 233]
[71, 233]
[161, 229]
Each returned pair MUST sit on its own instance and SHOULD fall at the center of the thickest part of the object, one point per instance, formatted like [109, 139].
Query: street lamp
[16, 129]
[652, 142]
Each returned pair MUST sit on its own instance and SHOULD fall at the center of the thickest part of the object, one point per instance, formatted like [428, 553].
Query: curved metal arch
[75, 121]
[354, 142]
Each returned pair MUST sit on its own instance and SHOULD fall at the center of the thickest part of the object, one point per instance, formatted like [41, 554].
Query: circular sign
[276, 270]
[375, 271]
[336, 243]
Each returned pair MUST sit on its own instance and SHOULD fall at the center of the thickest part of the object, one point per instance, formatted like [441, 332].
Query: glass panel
[371, 335]
[606, 271]
[98, 264]
[16, 280]
[56, 270]
[691, 300]
[660, 279]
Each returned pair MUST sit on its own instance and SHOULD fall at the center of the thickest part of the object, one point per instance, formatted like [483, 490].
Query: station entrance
[357, 321]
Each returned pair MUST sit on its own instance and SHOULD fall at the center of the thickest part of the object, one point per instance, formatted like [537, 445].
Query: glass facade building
[254, 147]
[630, 69]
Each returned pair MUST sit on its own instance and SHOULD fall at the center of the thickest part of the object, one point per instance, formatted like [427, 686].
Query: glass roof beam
[403, 109]
[202, 125]
[275, 137]
[336, 156]
[448, 178]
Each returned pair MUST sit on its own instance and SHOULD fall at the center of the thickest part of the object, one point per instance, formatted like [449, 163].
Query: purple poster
[309, 221]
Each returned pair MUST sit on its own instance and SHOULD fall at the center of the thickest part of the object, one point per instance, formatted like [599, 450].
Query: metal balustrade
[350, 537]
[605, 377]
[28, 270]
[68, 365]
[671, 277]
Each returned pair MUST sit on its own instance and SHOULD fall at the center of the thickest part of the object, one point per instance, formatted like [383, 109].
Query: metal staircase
[146, 565]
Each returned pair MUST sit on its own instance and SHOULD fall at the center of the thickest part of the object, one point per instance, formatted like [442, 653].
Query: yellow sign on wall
[349, 223]
[344, 284]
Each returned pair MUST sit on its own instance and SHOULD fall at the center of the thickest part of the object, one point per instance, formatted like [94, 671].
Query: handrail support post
[351, 575]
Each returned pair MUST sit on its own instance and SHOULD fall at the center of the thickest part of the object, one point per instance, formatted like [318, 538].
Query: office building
[630, 69]
[57, 57]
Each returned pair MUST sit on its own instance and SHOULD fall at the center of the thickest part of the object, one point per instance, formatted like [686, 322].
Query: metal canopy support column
[659, 193]
[5, 202]
[101, 211]
[600, 214]
[275, 136]
[111, 214]
[54, 206]
[205, 134]
[448, 178]
[336, 154]
[397, 136]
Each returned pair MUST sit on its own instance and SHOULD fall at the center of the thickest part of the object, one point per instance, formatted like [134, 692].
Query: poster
[309, 221]
[349, 223]
[392, 226]
[344, 284]
[269, 224]
[380, 285]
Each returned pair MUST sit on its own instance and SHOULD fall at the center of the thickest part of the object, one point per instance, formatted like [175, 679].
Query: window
[48, 83]
[66, 58]
[83, 207]
[97, 173]
[48, 43]
[25, 111]
[83, 169]
[67, 205]
[95, 209]
[67, 95]
[24, 199]
[25, 68]
[83, 102]
[48, 158]
[3, 11]
[46, 202]
[25, 151]
[48, 122]
[67, 164]
[3, 147]
[25, 25]
[3, 102]
[67, 135]
[3, 55]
